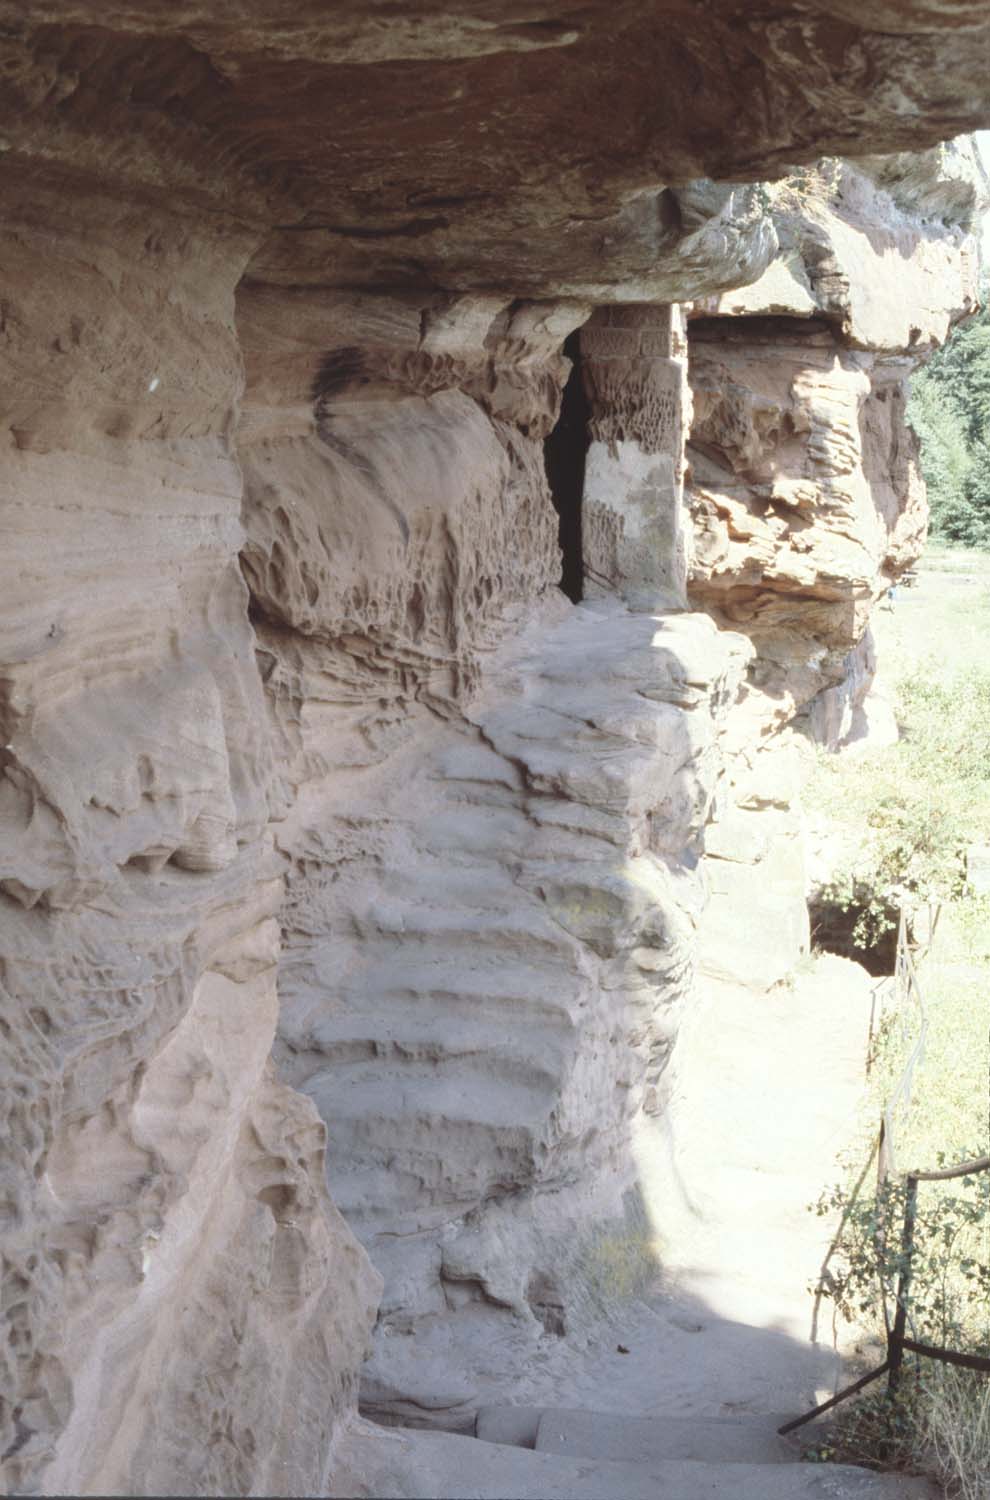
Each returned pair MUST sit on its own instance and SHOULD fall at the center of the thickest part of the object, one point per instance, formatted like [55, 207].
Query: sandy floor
[769, 1098]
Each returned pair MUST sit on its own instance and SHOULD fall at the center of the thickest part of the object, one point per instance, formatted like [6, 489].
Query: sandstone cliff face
[804, 491]
[803, 479]
[514, 828]
[298, 729]
[492, 876]
[171, 1257]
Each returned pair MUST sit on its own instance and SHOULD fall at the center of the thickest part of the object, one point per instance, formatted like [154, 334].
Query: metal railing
[909, 1000]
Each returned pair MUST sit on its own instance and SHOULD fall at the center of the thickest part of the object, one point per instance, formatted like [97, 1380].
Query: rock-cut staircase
[688, 1407]
[551, 1454]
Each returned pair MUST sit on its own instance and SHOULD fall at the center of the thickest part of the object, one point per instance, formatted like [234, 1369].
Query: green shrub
[949, 1296]
[949, 410]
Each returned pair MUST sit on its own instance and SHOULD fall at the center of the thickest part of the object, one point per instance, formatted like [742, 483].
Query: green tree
[950, 412]
[978, 493]
[962, 369]
[945, 459]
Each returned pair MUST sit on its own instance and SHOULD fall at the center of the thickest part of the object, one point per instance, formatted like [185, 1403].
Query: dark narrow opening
[839, 929]
[564, 455]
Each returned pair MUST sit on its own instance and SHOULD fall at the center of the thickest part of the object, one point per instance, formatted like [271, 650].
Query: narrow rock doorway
[565, 451]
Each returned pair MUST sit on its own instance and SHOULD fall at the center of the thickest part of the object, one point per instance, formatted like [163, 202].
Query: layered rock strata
[293, 715]
[175, 1278]
[474, 836]
[805, 495]
[545, 148]
[492, 872]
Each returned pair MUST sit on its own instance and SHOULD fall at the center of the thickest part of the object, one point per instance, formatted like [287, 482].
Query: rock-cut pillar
[634, 365]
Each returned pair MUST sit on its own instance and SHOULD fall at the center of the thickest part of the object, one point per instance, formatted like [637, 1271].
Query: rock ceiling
[534, 144]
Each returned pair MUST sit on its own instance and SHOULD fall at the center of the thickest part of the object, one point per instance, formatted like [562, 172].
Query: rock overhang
[547, 147]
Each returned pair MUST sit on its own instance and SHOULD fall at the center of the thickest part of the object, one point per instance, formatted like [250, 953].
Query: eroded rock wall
[515, 828]
[495, 805]
[174, 1275]
[295, 722]
[804, 491]
[635, 372]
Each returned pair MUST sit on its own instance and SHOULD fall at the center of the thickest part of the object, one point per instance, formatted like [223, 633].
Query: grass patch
[939, 1425]
[940, 558]
[956, 1413]
[910, 812]
[620, 1266]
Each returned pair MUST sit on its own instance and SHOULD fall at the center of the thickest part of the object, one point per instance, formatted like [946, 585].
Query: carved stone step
[606, 1435]
[386, 1463]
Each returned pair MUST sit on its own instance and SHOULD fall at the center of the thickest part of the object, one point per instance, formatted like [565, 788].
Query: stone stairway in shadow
[688, 1405]
[554, 1454]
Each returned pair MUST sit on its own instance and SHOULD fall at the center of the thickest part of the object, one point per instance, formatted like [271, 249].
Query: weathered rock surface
[492, 874]
[170, 1253]
[545, 148]
[805, 495]
[492, 945]
[294, 718]
[635, 374]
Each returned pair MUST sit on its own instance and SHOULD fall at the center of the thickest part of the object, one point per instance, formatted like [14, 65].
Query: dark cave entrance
[832, 929]
[564, 452]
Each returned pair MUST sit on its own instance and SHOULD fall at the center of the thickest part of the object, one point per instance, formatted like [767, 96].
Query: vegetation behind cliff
[950, 412]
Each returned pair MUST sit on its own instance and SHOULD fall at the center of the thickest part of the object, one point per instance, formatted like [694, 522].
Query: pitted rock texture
[488, 942]
[635, 376]
[396, 524]
[804, 487]
[170, 1255]
[290, 709]
[805, 496]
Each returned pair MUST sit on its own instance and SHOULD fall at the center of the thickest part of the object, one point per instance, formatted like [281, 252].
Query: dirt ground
[769, 1095]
